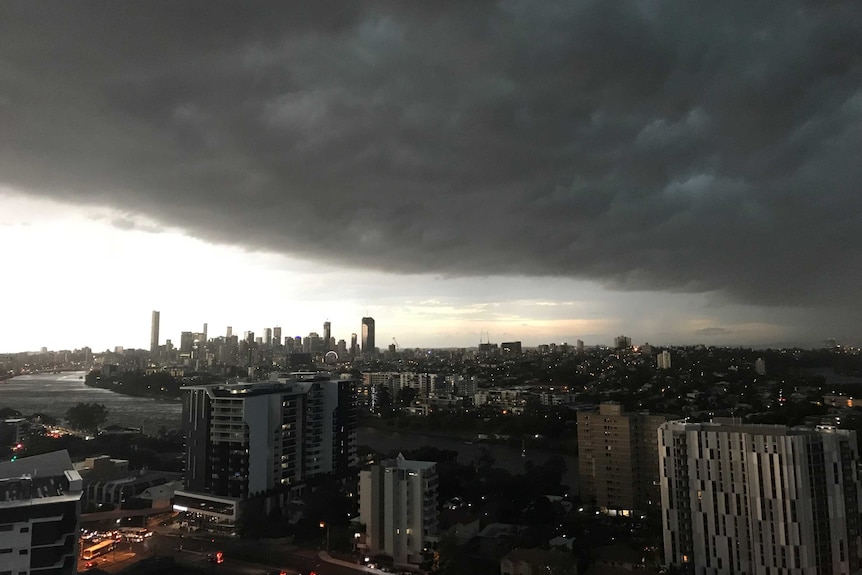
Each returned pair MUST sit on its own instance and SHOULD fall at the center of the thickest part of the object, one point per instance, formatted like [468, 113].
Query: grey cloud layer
[669, 145]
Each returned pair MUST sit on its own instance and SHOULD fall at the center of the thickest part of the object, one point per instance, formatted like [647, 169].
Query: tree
[87, 416]
[450, 558]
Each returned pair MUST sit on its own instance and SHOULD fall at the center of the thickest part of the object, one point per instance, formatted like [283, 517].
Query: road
[194, 552]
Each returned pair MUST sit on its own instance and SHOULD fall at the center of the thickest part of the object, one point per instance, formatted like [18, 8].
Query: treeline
[163, 452]
[160, 385]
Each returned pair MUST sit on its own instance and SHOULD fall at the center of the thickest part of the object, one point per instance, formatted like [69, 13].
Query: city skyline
[544, 171]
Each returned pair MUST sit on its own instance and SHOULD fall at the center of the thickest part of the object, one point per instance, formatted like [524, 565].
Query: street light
[322, 525]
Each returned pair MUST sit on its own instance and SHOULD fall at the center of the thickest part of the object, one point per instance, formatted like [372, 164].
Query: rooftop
[49, 475]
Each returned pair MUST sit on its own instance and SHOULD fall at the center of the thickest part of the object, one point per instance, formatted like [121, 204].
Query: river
[53, 394]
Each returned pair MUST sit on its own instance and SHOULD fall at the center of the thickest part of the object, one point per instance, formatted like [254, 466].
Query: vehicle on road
[98, 549]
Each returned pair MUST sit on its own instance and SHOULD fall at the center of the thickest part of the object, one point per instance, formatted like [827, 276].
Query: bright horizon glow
[79, 276]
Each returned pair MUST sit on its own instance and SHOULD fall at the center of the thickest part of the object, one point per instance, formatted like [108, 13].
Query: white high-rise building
[760, 499]
[398, 506]
[40, 509]
[663, 360]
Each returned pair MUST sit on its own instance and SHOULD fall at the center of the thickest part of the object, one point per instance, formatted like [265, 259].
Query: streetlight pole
[322, 525]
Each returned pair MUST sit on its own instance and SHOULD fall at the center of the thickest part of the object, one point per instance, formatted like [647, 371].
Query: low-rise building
[536, 562]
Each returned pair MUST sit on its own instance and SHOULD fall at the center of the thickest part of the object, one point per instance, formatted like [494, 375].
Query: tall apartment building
[760, 499]
[40, 508]
[244, 439]
[398, 506]
[622, 342]
[618, 458]
[663, 360]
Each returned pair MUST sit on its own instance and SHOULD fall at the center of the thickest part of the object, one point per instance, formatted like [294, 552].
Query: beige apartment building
[618, 458]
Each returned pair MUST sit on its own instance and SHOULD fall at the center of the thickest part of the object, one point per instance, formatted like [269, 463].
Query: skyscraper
[354, 347]
[327, 336]
[760, 499]
[154, 334]
[368, 345]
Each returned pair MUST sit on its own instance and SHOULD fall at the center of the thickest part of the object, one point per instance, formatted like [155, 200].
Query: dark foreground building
[40, 506]
[253, 439]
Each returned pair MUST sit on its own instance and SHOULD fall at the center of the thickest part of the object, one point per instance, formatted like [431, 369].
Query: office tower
[267, 337]
[398, 506]
[276, 337]
[622, 342]
[760, 499]
[187, 341]
[618, 458]
[511, 348]
[313, 343]
[205, 334]
[663, 360]
[760, 366]
[579, 347]
[247, 438]
[40, 509]
[327, 336]
[154, 335]
[229, 333]
[368, 344]
[354, 346]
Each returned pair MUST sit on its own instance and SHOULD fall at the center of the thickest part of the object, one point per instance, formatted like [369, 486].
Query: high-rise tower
[154, 334]
[760, 499]
[327, 336]
[368, 346]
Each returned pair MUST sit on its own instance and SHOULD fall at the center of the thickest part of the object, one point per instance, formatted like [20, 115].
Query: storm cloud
[657, 145]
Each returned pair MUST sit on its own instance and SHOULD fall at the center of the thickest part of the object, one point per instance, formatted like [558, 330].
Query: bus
[136, 534]
[98, 549]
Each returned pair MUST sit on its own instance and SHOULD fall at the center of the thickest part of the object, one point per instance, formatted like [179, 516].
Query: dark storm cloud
[667, 145]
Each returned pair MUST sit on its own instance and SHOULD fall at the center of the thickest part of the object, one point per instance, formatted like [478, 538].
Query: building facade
[368, 342]
[618, 458]
[245, 439]
[398, 506]
[154, 335]
[40, 509]
[760, 499]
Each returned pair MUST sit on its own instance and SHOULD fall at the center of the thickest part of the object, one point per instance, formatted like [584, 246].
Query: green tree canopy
[87, 416]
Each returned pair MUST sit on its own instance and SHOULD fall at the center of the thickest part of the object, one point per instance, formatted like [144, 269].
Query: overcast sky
[677, 171]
